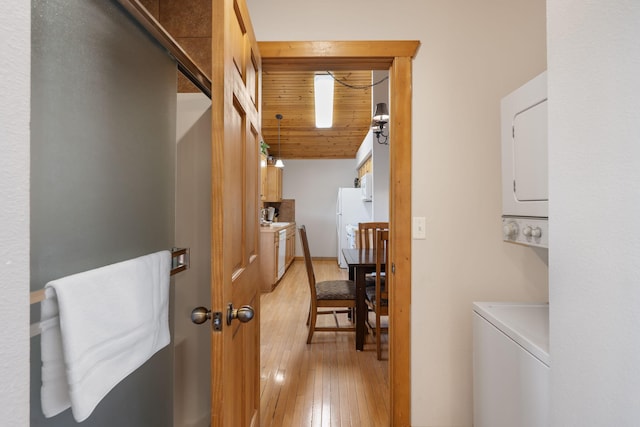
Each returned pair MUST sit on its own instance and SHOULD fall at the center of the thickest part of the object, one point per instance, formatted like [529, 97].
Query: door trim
[395, 56]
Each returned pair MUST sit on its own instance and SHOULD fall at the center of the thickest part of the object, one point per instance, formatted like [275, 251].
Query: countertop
[274, 226]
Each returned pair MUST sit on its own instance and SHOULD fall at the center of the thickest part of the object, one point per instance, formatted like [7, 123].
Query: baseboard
[318, 258]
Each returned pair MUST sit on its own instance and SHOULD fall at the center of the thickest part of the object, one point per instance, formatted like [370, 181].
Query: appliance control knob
[527, 231]
[536, 232]
[510, 230]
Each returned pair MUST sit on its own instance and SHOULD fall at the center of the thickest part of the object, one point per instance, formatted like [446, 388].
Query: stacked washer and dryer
[511, 363]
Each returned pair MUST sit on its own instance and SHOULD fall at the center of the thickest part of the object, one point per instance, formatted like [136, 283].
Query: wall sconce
[380, 119]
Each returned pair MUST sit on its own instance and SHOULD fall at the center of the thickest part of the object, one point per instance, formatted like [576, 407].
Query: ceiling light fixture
[279, 163]
[380, 119]
[323, 92]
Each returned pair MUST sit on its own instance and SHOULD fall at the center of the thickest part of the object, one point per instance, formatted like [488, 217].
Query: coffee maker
[271, 211]
[267, 214]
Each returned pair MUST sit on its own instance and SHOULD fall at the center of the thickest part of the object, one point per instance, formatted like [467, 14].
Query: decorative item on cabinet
[264, 147]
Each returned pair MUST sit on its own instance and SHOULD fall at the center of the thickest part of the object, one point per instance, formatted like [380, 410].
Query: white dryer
[525, 196]
[510, 364]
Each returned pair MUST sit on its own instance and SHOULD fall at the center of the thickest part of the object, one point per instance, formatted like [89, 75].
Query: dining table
[360, 262]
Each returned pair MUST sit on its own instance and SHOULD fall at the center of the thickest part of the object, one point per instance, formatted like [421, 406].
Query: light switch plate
[419, 227]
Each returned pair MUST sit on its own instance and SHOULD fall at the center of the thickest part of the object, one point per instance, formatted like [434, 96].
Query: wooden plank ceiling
[290, 93]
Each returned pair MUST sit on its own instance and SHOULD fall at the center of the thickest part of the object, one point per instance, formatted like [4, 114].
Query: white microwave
[525, 195]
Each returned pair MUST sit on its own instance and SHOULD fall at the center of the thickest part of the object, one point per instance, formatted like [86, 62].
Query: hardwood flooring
[325, 383]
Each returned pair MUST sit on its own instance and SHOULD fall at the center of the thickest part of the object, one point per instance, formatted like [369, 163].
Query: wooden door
[235, 349]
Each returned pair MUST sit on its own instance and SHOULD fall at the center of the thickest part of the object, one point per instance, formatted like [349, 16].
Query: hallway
[326, 383]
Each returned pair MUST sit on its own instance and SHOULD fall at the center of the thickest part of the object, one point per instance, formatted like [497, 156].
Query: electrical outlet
[419, 227]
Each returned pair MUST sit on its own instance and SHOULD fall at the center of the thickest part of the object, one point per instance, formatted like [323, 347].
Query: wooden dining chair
[378, 295]
[367, 233]
[332, 294]
[367, 240]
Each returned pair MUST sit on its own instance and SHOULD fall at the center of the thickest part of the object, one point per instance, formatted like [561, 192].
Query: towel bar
[179, 262]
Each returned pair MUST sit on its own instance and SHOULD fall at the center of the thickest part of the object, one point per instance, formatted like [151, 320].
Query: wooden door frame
[395, 56]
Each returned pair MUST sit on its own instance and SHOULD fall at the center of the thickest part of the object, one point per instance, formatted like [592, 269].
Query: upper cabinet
[270, 181]
[366, 167]
[263, 175]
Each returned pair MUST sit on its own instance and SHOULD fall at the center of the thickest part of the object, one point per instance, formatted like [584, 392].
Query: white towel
[111, 321]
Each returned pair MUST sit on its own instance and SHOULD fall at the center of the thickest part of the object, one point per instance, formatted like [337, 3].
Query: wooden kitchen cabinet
[271, 181]
[263, 175]
[269, 246]
[291, 244]
[269, 250]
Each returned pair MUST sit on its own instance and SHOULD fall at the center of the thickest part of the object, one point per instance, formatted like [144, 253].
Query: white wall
[380, 181]
[15, 49]
[379, 152]
[365, 149]
[472, 54]
[380, 160]
[380, 93]
[594, 183]
[314, 186]
[192, 352]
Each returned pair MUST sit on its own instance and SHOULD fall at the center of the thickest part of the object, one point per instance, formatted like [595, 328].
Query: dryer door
[524, 150]
[530, 154]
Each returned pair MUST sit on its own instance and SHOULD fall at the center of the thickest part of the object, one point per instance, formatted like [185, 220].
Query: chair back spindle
[307, 261]
[367, 233]
[378, 298]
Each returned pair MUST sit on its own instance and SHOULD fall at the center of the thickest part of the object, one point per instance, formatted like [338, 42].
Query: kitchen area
[277, 225]
[310, 197]
[306, 191]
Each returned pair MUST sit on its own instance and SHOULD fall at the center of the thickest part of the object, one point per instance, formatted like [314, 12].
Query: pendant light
[279, 163]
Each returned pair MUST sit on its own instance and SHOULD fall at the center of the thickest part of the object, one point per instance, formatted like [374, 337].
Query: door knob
[243, 314]
[199, 315]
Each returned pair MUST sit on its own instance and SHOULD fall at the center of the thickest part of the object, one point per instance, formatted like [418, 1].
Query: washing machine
[511, 364]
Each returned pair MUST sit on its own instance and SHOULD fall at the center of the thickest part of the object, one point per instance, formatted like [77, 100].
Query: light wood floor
[325, 383]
